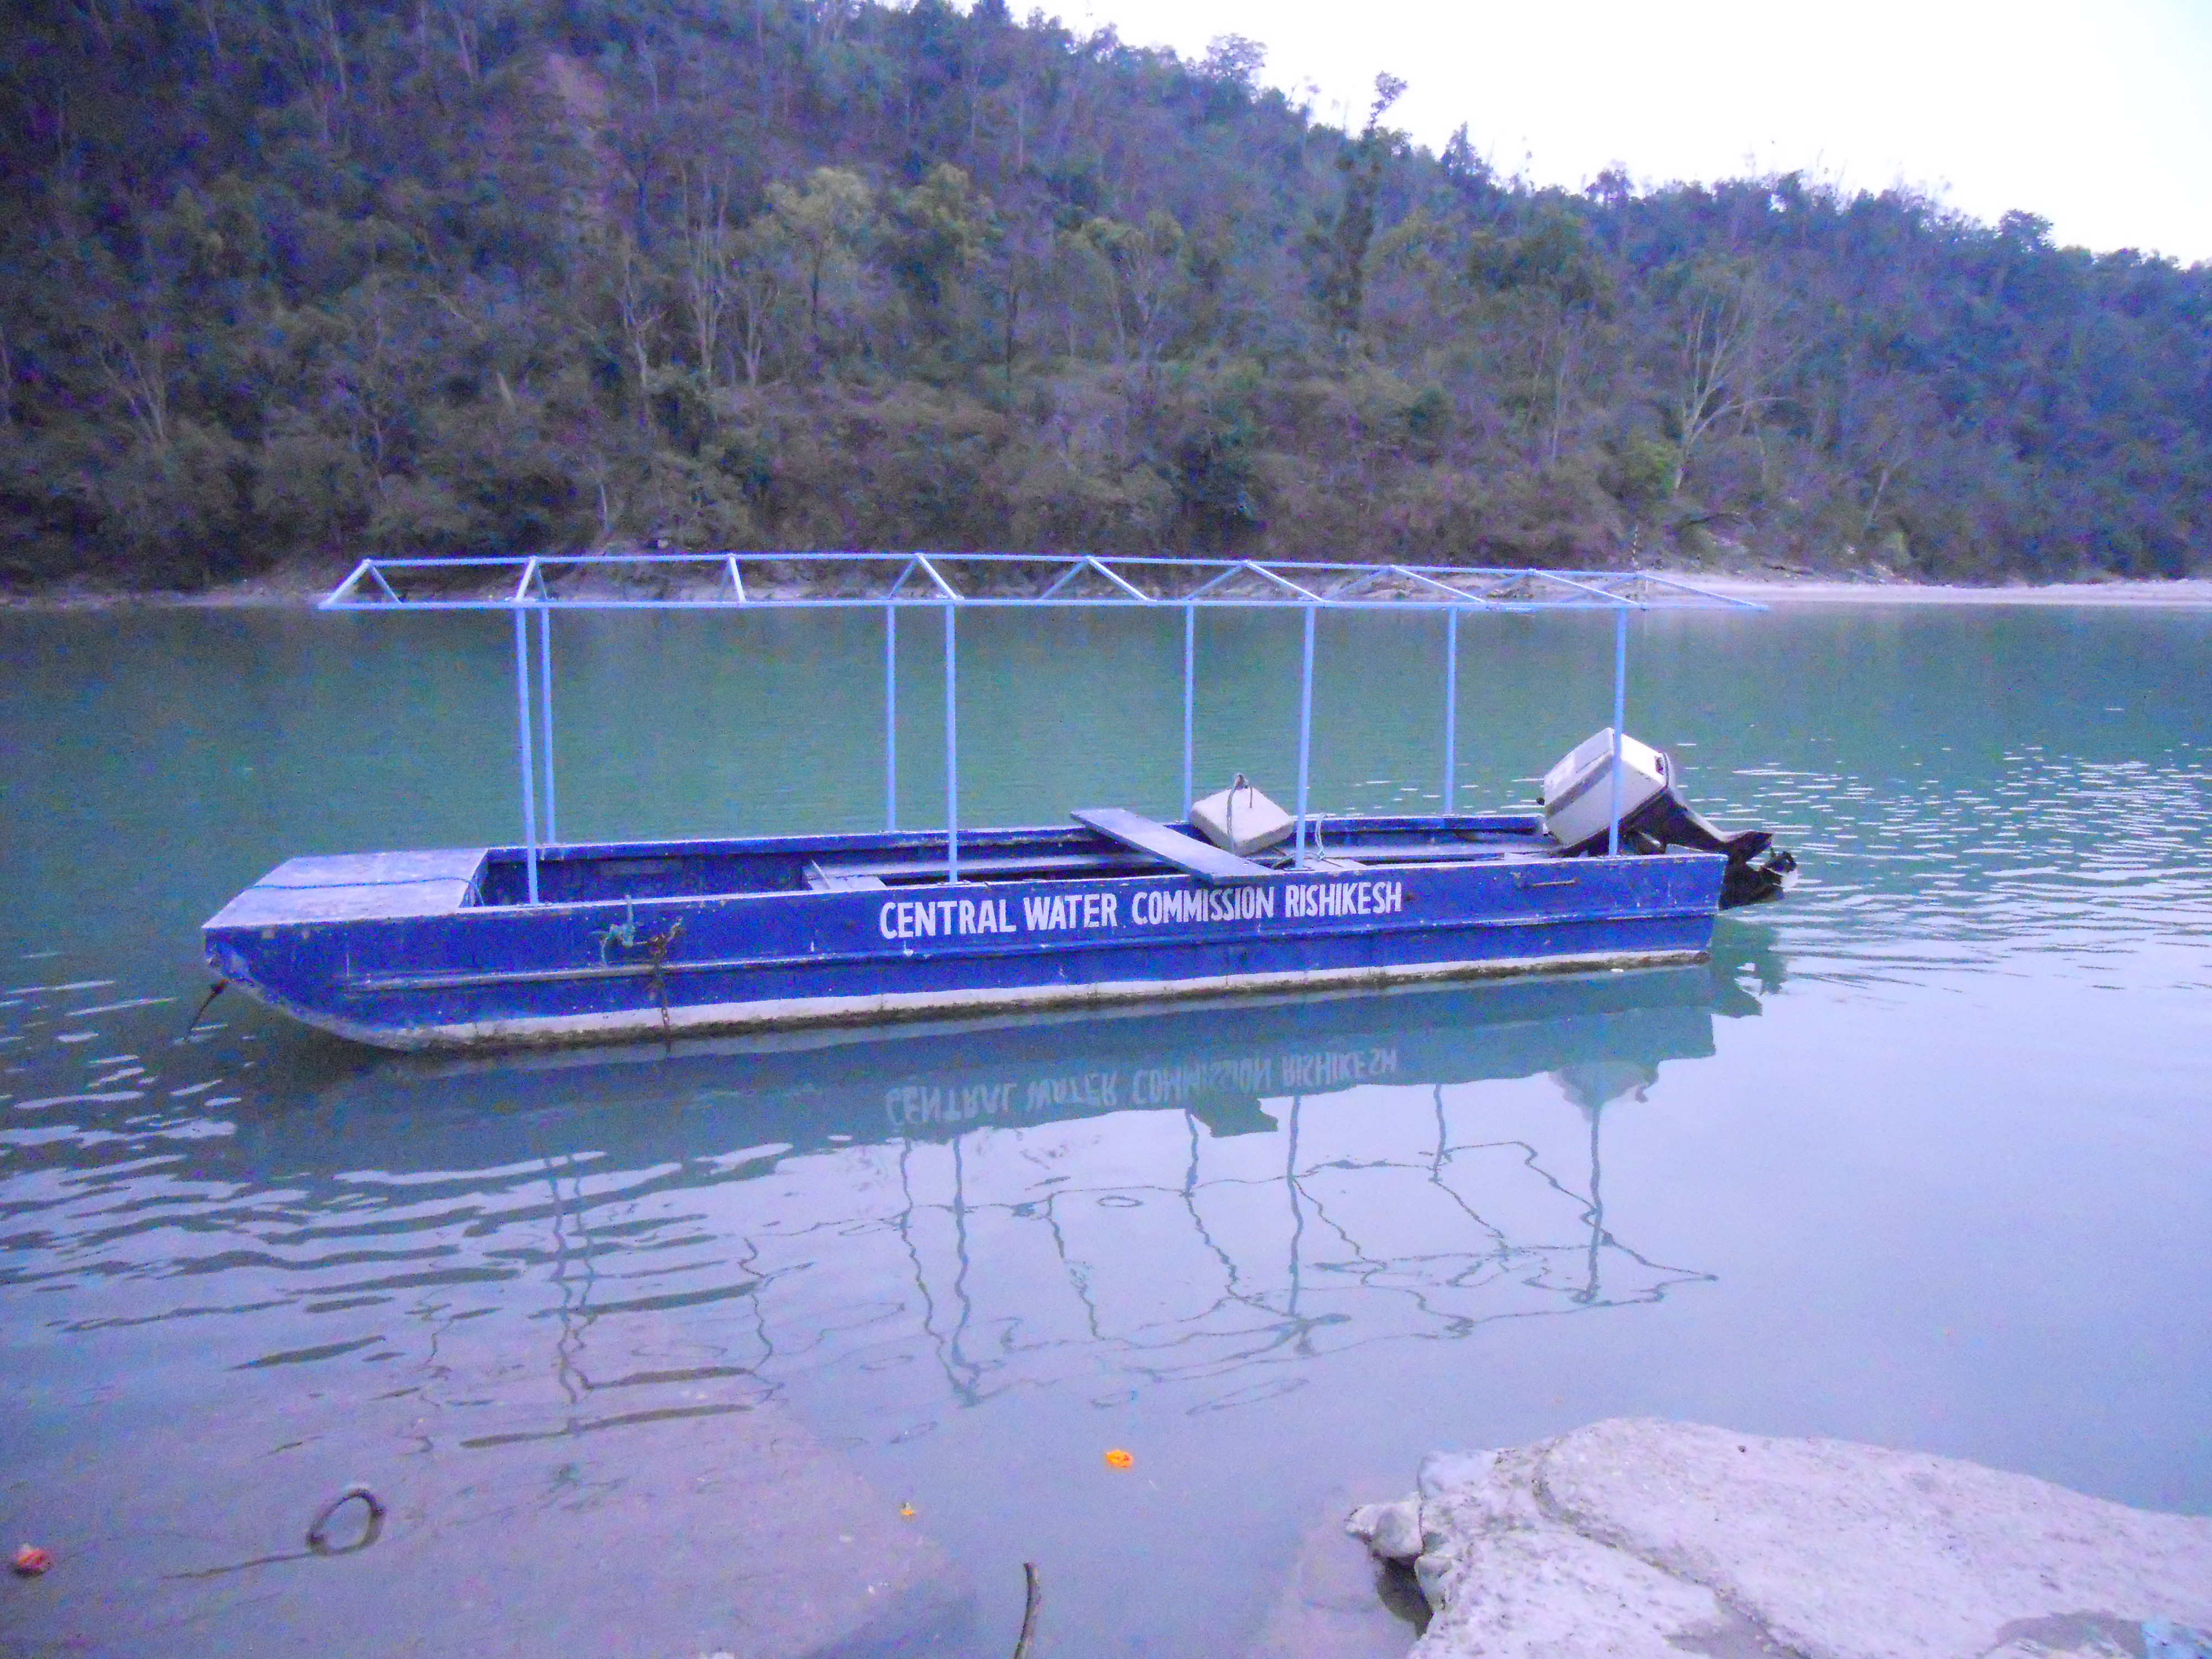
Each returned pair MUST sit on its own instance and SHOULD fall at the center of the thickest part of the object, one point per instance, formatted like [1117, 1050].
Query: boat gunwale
[1128, 866]
[955, 1009]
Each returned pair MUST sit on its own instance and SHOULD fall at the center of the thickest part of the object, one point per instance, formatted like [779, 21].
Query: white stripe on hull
[798, 1013]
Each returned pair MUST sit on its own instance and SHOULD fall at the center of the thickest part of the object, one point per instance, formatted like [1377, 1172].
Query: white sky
[2096, 114]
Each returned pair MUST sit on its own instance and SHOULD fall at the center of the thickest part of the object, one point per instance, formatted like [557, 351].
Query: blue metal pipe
[951, 750]
[545, 698]
[890, 717]
[528, 760]
[1190, 690]
[1306, 732]
[1620, 720]
[1451, 703]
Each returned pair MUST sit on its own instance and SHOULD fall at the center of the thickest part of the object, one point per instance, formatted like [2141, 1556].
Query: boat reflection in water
[1124, 1201]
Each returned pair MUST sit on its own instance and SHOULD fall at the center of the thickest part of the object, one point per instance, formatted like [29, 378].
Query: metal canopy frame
[950, 582]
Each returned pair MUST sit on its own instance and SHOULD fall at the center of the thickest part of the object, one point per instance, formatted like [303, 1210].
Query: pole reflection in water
[1592, 1088]
[550, 1244]
[1221, 1194]
[496, 1278]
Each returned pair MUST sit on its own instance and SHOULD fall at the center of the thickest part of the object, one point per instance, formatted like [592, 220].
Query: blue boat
[550, 943]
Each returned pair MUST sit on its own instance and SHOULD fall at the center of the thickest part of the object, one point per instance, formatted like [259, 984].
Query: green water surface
[1923, 1158]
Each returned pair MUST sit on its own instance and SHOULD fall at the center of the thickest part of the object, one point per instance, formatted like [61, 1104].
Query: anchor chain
[656, 947]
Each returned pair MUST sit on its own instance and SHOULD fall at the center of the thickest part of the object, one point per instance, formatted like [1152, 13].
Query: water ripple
[1205, 1202]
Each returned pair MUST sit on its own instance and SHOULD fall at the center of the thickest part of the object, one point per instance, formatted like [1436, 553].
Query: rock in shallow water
[1338, 1601]
[669, 1508]
[1636, 1538]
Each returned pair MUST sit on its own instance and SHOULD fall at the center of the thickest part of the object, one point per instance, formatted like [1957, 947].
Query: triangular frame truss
[752, 581]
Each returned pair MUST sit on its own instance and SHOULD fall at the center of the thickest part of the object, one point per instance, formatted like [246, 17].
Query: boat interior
[1103, 842]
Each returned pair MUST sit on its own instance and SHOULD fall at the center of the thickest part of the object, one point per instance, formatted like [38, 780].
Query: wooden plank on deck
[1201, 858]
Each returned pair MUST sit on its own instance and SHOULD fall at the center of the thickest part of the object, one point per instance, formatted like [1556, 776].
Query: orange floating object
[1118, 1459]
[906, 1511]
[31, 1561]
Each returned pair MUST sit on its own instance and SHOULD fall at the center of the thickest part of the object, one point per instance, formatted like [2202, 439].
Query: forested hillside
[280, 279]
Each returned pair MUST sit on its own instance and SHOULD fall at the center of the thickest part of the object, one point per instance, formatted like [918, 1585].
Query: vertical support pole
[1620, 720]
[1451, 702]
[951, 750]
[545, 708]
[1297, 1210]
[1305, 732]
[890, 717]
[528, 760]
[1190, 689]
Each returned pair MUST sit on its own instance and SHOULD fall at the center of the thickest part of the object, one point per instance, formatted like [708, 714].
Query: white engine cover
[1578, 791]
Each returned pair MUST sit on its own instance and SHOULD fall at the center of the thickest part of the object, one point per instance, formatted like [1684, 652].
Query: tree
[938, 228]
[1019, 253]
[823, 221]
[756, 273]
[453, 274]
[1340, 246]
[708, 255]
[638, 310]
[1721, 314]
[131, 328]
[1143, 266]
[1551, 266]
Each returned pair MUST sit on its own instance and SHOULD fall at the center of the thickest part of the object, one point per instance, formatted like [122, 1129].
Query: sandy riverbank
[2194, 594]
[296, 588]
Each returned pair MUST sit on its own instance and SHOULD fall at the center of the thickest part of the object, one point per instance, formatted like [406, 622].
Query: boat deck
[367, 886]
[357, 887]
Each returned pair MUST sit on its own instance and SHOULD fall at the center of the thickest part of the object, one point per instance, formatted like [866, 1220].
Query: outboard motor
[1578, 798]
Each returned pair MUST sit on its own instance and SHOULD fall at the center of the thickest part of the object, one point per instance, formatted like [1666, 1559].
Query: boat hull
[449, 971]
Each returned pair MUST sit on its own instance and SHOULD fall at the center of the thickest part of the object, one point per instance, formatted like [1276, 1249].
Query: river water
[1924, 1158]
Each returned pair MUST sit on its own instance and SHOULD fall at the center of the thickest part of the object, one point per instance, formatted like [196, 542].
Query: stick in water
[1034, 1595]
[214, 991]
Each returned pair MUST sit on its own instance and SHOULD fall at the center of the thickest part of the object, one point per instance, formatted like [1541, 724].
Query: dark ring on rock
[318, 1537]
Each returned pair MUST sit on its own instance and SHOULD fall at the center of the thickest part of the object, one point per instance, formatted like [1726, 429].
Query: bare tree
[1141, 267]
[756, 284]
[132, 337]
[1718, 345]
[1882, 419]
[316, 43]
[705, 238]
[460, 17]
[638, 315]
[367, 377]
[136, 364]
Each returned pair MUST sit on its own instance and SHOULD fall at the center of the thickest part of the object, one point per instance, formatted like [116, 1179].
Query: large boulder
[1634, 1538]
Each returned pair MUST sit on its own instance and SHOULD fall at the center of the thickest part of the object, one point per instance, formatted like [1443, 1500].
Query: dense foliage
[278, 279]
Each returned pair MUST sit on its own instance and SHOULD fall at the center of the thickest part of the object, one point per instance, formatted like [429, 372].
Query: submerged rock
[1339, 1601]
[671, 1509]
[1635, 1538]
